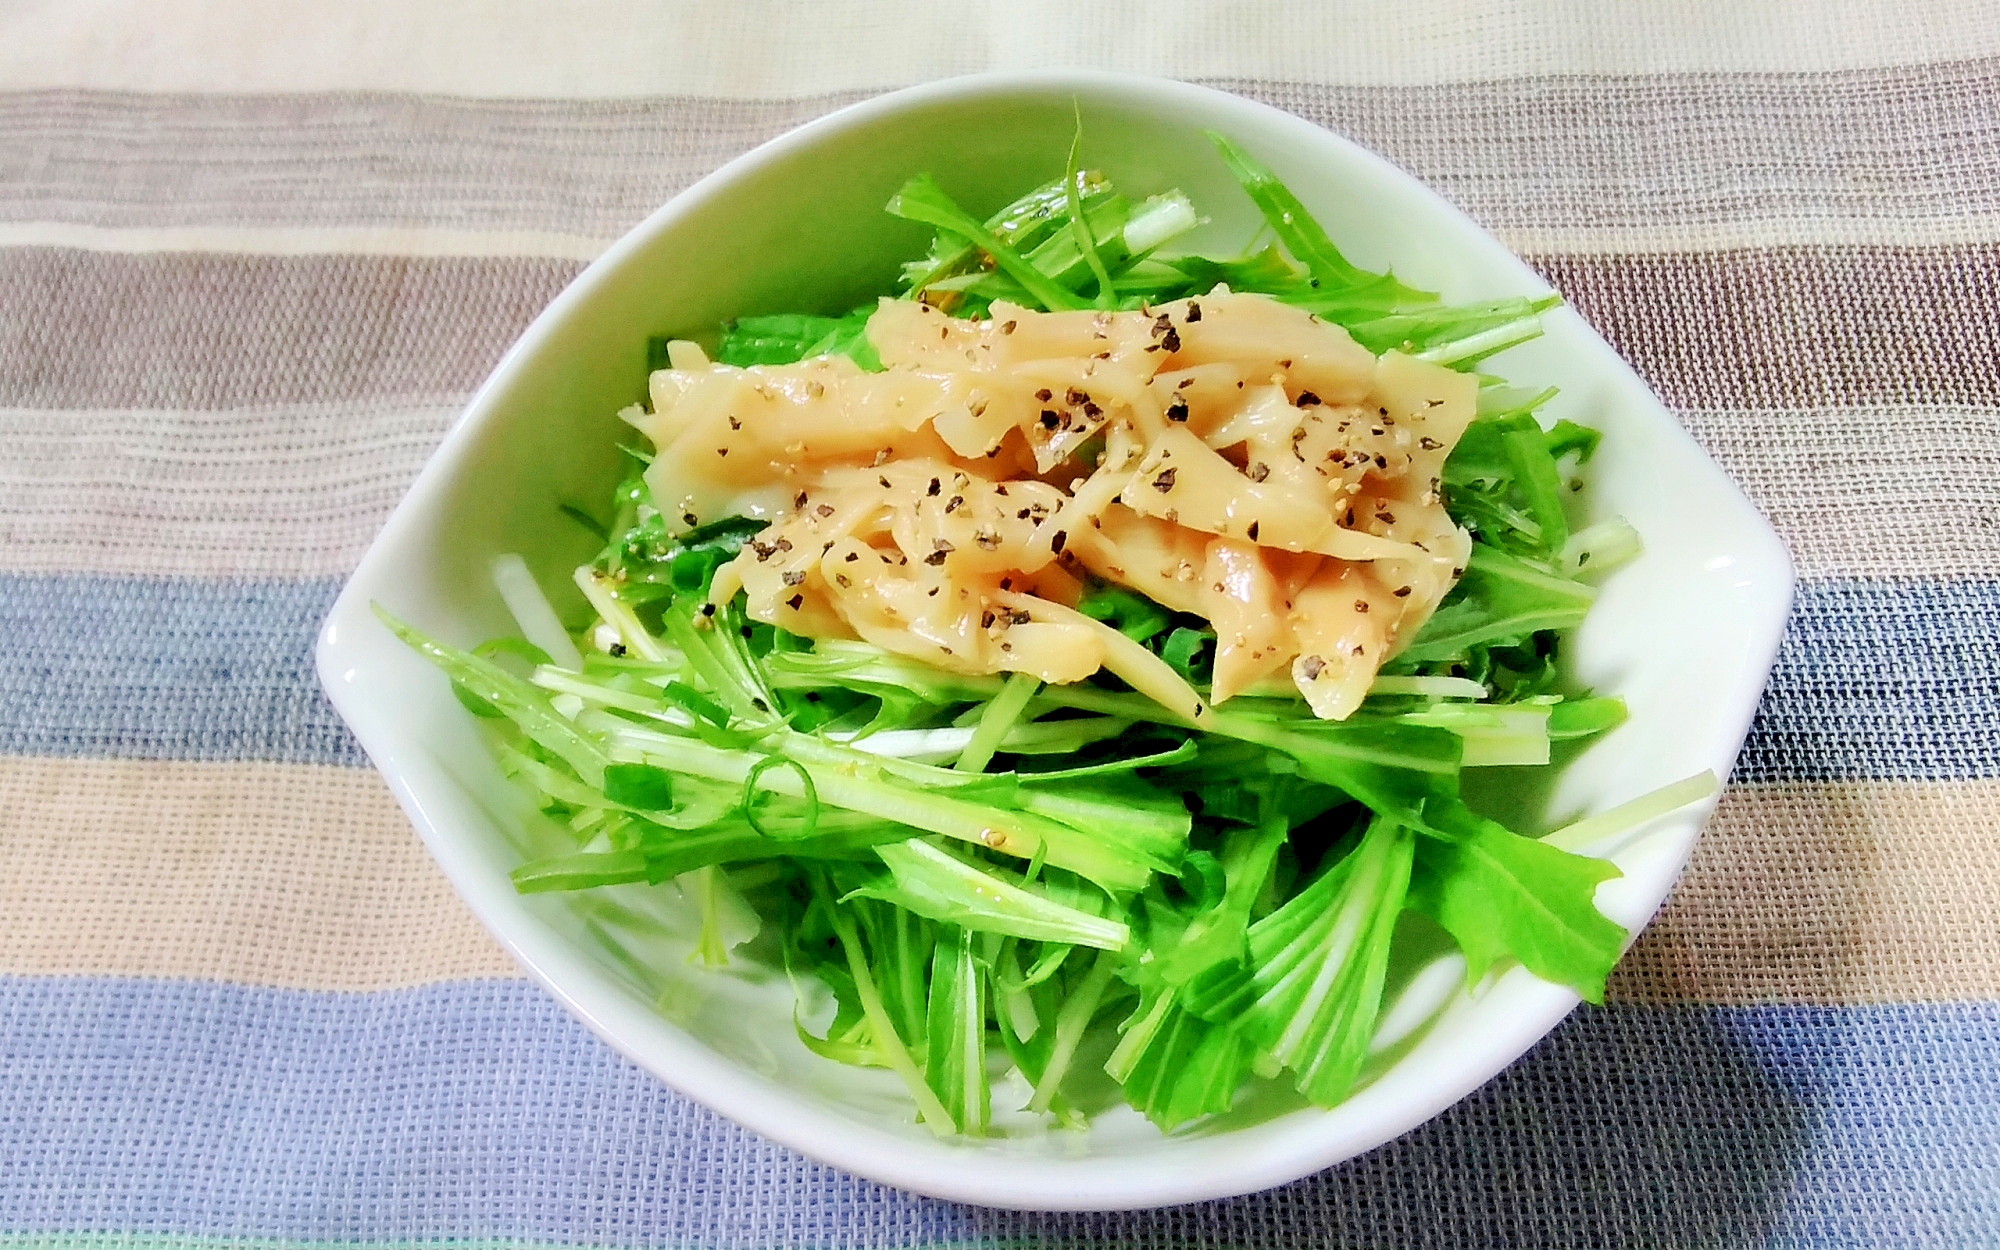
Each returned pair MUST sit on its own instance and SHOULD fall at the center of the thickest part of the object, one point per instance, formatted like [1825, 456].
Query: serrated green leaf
[1504, 896]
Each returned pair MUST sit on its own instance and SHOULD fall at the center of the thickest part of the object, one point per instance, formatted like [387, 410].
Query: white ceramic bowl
[1687, 634]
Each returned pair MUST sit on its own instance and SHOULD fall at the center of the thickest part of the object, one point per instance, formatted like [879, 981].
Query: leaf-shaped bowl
[1686, 634]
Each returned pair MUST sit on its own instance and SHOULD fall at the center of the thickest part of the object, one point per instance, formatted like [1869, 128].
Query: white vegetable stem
[1605, 545]
[630, 632]
[538, 621]
[935, 746]
[1595, 833]
[1158, 220]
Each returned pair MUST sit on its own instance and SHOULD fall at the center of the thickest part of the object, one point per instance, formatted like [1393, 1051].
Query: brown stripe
[1770, 329]
[1856, 892]
[1799, 327]
[94, 330]
[1898, 146]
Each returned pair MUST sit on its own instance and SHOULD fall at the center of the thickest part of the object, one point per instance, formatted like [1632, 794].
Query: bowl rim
[688, 1064]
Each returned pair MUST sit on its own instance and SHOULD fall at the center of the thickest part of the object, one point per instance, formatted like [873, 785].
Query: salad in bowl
[1100, 675]
[1084, 638]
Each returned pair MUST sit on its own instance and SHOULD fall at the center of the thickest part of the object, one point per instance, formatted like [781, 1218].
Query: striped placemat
[253, 260]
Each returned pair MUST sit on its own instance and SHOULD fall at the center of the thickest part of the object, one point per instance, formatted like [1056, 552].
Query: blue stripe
[1874, 679]
[166, 668]
[1882, 680]
[479, 1110]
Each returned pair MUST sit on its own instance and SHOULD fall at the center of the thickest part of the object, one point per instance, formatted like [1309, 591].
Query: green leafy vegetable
[1501, 895]
[982, 870]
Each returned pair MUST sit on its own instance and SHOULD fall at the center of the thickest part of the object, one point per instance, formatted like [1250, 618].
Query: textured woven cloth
[252, 261]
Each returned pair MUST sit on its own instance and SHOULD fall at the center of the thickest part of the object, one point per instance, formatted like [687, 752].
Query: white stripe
[285, 491]
[765, 49]
[1962, 230]
[303, 240]
[1897, 491]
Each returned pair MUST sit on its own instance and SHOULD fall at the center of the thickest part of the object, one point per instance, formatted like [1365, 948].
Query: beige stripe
[307, 877]
[301, 490]
[1854, 892]
[1885, 492]
[292, 491]
[1594, 164]
[263, 874]
[764, 49]
[303, 240]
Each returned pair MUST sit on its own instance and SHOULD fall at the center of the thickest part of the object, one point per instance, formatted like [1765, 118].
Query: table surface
[253, 260]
